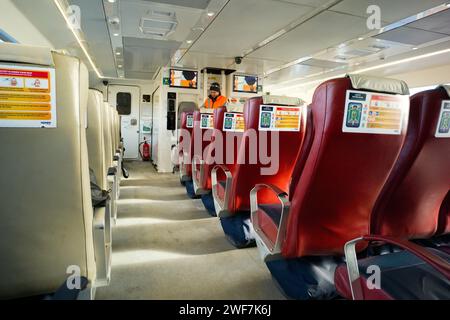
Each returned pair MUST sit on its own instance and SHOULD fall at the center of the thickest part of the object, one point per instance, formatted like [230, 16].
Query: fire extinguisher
[145, 152]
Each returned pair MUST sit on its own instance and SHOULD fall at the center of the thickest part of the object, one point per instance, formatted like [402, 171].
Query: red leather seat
[339, 175]
[215, 151]
[409, 205]
[246, 173]
[341, 179]
[184, 150]
[269, 209]
[200, 141]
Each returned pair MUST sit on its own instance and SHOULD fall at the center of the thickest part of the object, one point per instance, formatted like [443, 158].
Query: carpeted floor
[166, 246]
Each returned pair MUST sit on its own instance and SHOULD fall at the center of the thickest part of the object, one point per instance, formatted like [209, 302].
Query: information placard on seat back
[374, 113]
[190, 121]
[279, 118]
[443, 126]
[207, 121]
[233, 122]
[27, 97]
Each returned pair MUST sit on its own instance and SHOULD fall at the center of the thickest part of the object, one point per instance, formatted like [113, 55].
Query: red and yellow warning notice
[27, 97]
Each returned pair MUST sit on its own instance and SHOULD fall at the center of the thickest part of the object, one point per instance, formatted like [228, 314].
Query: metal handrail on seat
[351, 258]
[221, 207]
[198, 162]
[268, 249]
[181, 159]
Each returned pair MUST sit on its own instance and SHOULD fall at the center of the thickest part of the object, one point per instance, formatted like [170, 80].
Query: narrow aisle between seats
[166, 246]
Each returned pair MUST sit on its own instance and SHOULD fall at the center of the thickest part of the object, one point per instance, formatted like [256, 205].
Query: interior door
[126, 99]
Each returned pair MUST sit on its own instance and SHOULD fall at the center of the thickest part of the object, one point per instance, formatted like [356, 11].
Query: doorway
[126, 100]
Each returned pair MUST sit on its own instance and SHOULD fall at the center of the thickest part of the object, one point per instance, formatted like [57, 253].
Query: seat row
[363, 162]
[53, 236]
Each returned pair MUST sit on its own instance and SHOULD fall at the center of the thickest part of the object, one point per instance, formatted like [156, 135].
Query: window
[124, 103]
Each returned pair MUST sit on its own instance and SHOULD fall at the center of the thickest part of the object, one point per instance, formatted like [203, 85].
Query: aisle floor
[166, 246]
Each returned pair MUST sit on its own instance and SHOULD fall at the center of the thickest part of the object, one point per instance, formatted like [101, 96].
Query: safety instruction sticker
[443, 128]
[233, 122]
[190, 121]
[207, 121]
[374, 113]
[27, 97]
[279, 118]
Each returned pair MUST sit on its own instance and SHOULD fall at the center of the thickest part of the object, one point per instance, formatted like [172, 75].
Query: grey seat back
[95, 139]
[46, 213]
[107, 134]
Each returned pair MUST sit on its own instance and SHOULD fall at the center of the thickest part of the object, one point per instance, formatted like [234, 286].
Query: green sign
[166, 81]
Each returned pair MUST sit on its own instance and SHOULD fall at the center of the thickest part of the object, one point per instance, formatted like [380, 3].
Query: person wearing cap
[215, 99]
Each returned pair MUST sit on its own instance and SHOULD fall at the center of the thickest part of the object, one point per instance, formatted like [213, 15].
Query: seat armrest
[197, 164]
[102, 243]
[222, 208]
[100, 218]
[269, 248]
[183, 157]
[427, 256]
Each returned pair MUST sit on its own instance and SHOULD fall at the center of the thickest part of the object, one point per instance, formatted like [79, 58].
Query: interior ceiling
[45, 16]
[391, 10]
[340, 23]
[144, 66]
[131, 12]
[428, 29]
[314, 31]
[245, 23]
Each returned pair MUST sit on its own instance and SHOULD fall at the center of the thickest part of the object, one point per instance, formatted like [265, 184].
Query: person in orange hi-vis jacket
[215, 99]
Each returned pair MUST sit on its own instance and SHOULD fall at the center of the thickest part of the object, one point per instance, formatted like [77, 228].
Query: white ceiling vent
[159, 24]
